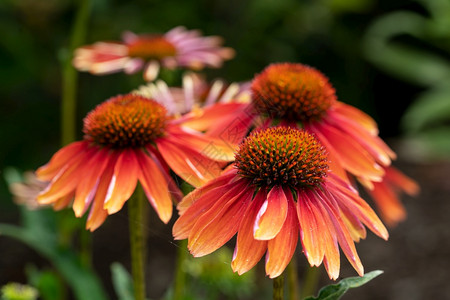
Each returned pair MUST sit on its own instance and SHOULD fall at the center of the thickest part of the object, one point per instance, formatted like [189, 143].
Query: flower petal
[190, 165]
[123, 181]
[155, 186]
[87, 186]
[59, 159]
[272, 215]
[218, 225]
[213, 197]
[352, 113]
[248, 251]
[282, 247]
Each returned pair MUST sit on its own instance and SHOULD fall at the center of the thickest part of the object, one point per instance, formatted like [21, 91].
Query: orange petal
[248, 251]
[327, 236]
[271, 215]
[87, 186]
[310, 230]
[343, 236]
[218, 225]
[63, 202]
[155, 186]
[193, 196]
[357, 115]
[350, 154]
[59, 159]
[123, 182]
[97, 213]
[67, 178]
[359, 207]
[215, 197]
[391, 209]
[282, 247]
[355, 227]
[190, 165]
[211, 147]
[400, 181]
[373, 144]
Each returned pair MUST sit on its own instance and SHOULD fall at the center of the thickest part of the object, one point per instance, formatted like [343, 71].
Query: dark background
[326, 34]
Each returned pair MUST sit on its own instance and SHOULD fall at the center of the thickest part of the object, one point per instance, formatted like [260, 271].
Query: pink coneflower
[279, 187]
[129, 138]
[177, 48]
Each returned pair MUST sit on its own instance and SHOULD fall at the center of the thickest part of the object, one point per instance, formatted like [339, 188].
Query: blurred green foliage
[415, 47]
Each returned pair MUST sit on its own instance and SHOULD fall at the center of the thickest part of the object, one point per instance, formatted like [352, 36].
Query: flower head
[302, 97]
[177, 48]
[129, 138]
[279, 188]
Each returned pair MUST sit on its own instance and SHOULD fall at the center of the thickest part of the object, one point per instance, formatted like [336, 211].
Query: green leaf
[430, 108]
[122, 282]
[335, 291]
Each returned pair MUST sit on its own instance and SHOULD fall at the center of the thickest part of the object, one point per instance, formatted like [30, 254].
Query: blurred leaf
[39, 231]
[335, 291]
[430, 108]
[47, 282]
[406, 62]
[430, 144]
[122, 282]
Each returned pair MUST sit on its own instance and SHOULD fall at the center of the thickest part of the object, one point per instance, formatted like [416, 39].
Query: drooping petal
[218, 225]
[352, 113]
[400, 181]
[190, 165]
[343, 236]
[391, 209]
[123, 182]
[359, 207]
[281, 248]
[155, 186]
[248, 250]
[87, 186]
[373, 144]
[214, 148]
[351, 155]
[271, 215]
[97, 213]
[67, 178]
[326, 235]
[59, 159]
[193, 196]
[213, 197]
[63, 202]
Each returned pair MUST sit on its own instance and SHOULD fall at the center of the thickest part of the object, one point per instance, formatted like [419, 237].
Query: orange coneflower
[300, 96]
[129, 138]
[278, 187]
[177, 48]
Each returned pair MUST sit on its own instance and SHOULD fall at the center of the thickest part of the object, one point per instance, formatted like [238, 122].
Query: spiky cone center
[282, 156]
[293, 92]
[151, 47]
[126, 121]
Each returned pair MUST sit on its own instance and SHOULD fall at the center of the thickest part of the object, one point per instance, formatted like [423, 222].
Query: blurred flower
[279, 186]
[26, 191]
[300, 96]
[17, 291]
[177, 48]
[129, 138]
[195, 93]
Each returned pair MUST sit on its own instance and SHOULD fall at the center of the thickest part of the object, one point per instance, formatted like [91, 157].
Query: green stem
[293, 279]
[137, 242]
[70, 75]
[278, 287]
[311, 281]
[180, 275]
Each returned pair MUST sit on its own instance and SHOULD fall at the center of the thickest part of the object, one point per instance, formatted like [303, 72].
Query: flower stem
[310, 283]
[137, 242]
[180, 275]
[293, 279]
[278, 287]
[70, 75]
